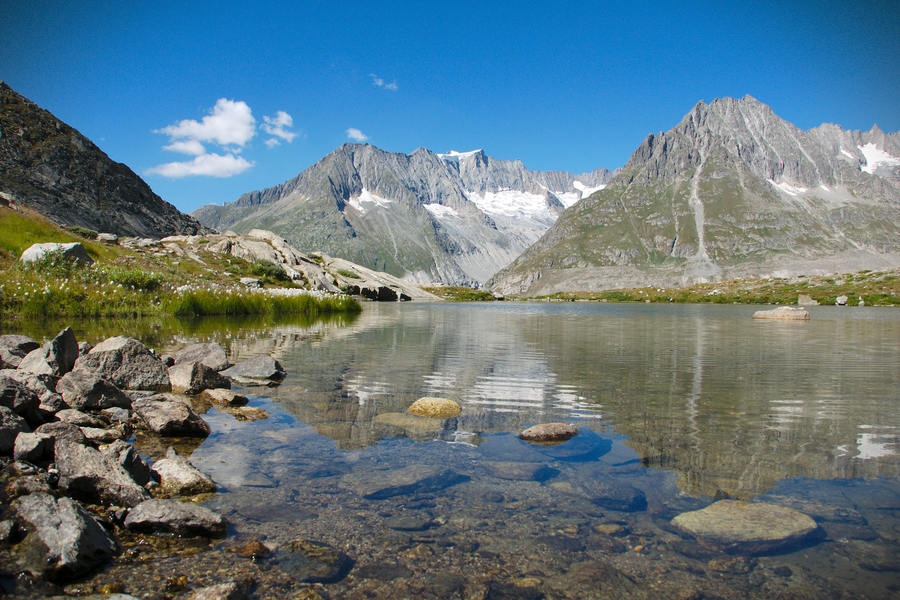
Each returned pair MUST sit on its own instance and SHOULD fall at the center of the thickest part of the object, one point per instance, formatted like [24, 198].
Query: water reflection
[730, 404]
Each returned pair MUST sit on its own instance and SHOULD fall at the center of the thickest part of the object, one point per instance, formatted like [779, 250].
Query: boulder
[429, 406]
[166, 414]
[27, 484]
[841, 300]
[84, 348]
[81, 419]
[11, 426]
[62, 432]
[22, 401]
[414, 479]
[251, 282]
[194, 377]
[87, 473]
[107, 238]
[71, 250]
[101, 435]
[783, 313]
[179, 477]
[312, 562]
[223, 397]
[212, 355]
[86, 390]
[746, 527]
[63, 539]
[33, 447]
[223, 591]
[124, 454]
[171, 516]
[127, 364]
[13, 348]
[260, 369]
[549, 432]
[56, 357]
[44, 386]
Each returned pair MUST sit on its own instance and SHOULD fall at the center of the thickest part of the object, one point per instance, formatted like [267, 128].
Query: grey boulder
[56, 357]
[63, 432]
[223, 591]
[166, 414]
[87, 473]
[18, 398]
[127, 364]
[63, 539]
[194, 377]
[179, 477]
[171, 516]
[13, 348]
[71, 250]
[212, 355]
[11, 426]
[33, 447]
[86, 390]
[124, 454]
[260, 369]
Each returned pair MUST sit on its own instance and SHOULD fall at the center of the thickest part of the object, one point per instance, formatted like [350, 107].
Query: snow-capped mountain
[453, 218]
[732, 190]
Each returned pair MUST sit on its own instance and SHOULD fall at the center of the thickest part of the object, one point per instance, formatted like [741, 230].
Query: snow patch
[441, 211]
[367, 200]
[824, 187]
[587, 190]
[568, 198]
[787, 188]
[876, 157]
[847, 154]
[511, 203]
[455, 156]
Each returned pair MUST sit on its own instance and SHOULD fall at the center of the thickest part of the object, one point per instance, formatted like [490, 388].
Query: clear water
[677, 405]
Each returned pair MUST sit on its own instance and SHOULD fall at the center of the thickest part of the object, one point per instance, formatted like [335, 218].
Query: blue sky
[571, 86]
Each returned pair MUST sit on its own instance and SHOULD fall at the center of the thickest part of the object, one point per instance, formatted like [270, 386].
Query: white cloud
[277, 126]
[356, 135]
[186, 147]
[229, 122]
[272, 142]
[379, 82]
[212, 165]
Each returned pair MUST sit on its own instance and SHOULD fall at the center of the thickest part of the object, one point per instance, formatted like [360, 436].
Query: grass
[238, 303]
[348, 274]
[875, 288]
[459, 293]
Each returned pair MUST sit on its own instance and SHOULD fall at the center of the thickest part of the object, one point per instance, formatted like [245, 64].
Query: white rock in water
[783, 313]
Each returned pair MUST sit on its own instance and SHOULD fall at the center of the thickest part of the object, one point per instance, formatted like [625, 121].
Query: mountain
[731, 191]
[454, 218]
[53, 169]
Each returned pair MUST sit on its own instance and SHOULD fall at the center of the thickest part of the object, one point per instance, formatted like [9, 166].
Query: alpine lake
[678, 406]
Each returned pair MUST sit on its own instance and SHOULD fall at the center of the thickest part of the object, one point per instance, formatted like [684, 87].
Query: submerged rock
[212, 355]
[127, 364]
[746, 527]
[172, 516]
[64, 540]
[433, 407]
[312, 562]
[223, 591]
[377, 485]
[179, 477]
[549, 432]
[260, 369]
[223, 397]
[783, 313]
[166, 414]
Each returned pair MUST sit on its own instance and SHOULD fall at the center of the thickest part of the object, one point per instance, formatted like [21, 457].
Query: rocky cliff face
[733, 190]
[453, 218]
[53, 169]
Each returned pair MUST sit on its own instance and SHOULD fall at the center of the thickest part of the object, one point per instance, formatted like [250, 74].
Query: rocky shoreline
[72, 484]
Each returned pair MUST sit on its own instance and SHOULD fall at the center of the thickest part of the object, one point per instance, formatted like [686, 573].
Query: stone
[86, 390]
[806, 300]
[56, 357]
[11, 426]
[418, 479]
[549, 432]
[260, 369]
[84, 348]
[71, 250]
[101, 435]
[44, 386]
[312, 562]
[127, 364]
[841, 300]
[212, 355]
[124, 454]
[518, 471]
[194, 377]
[7, 531]
[27, 484]
[172, 516]
[117, 415]
[434, 407]
[746, 527]
[63, 540]
[13, 348]
[223, 591]
[18, 398]
[251, 282]
[783, 313]
[62, 432]
[108, 238]
[87, 473]
[166, 414]
[33, 447]
[223, 397]
[254, 549]
[179, 477]
[81, 419]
